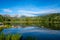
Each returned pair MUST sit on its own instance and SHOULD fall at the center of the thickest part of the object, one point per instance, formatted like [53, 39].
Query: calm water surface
[39, 33]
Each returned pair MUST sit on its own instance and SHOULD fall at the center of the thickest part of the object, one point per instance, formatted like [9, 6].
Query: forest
[51, 21]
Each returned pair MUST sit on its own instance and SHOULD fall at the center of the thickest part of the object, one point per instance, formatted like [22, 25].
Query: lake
[38, 33]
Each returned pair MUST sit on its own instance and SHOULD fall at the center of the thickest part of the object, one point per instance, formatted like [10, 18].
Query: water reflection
[39, 33]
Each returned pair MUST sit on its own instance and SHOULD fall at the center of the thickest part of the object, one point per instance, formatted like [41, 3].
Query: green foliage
[2, 36]
[15, 37]
[51, 21]
[1, 28]
[10, 37]
[1, 18]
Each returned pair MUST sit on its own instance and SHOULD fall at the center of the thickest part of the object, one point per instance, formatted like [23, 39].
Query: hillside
[51, 21]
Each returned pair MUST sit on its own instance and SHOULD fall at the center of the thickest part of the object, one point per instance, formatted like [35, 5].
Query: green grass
[1, 28]
[10, 37]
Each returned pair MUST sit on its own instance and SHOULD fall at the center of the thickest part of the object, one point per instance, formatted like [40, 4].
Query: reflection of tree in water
[49, 21]
[54, 22]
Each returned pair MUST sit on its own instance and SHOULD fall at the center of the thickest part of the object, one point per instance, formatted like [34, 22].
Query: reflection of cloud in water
[43, 31]
[31, 29]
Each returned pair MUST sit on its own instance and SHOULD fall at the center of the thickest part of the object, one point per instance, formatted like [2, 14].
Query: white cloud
[29, 13]
[37, 12]
[7, 10]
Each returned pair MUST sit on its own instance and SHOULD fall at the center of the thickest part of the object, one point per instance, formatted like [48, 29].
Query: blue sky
[29, 7]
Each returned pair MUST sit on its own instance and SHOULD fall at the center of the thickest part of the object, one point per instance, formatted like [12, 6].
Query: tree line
[51, 21]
